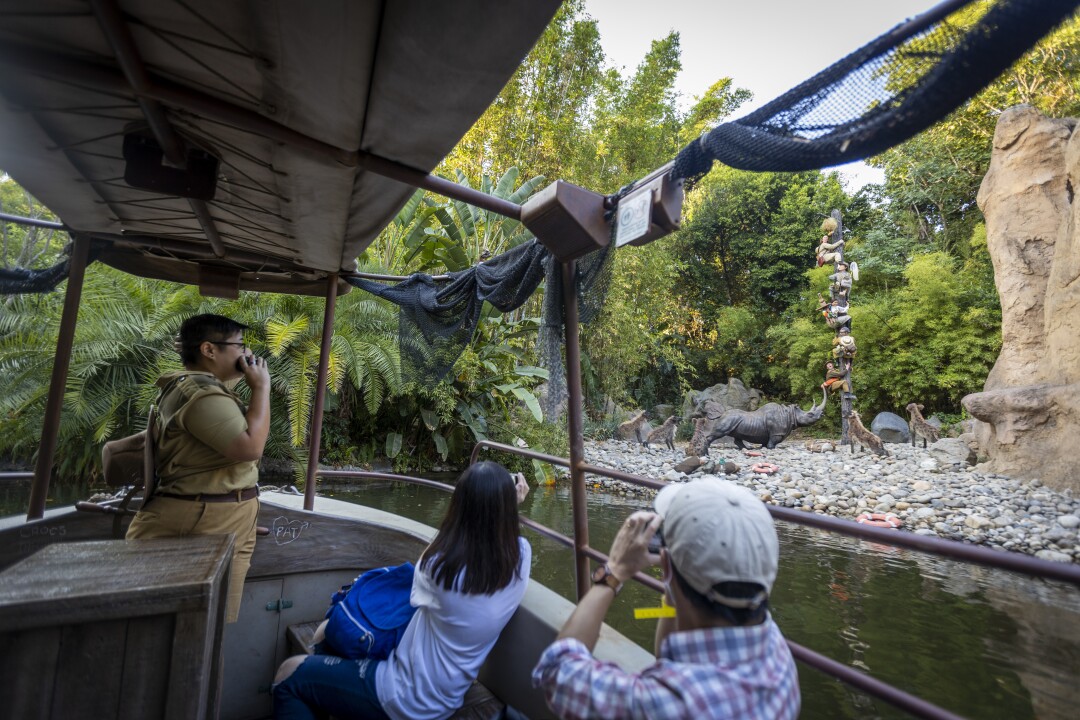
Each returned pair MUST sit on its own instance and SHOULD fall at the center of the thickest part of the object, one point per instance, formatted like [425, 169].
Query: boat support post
[50, 430]
[315, 437]
[576, 427]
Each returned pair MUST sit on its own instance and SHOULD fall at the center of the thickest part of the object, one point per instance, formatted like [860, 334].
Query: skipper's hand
[630, 549]
[521, 485]
[257, 373]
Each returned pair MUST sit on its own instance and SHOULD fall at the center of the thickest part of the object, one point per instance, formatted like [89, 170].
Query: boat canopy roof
[235, 144]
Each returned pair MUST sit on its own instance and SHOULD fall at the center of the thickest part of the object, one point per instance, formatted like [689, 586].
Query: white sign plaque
[633, 216]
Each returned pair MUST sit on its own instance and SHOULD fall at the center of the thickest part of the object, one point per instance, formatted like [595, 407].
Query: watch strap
[604, 576]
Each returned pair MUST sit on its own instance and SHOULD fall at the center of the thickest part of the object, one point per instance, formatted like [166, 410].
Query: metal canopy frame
[149, 87]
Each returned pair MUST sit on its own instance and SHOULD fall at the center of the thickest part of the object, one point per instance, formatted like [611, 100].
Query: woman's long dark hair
[479, 533]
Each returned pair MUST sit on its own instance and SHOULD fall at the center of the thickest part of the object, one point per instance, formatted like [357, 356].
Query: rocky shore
[987, 509]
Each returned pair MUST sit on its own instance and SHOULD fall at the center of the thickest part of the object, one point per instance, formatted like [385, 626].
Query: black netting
[17, 281]
[592, 277]
[880, 95]
[437, 319]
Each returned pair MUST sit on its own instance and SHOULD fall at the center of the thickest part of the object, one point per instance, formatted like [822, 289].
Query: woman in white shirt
[468, 583]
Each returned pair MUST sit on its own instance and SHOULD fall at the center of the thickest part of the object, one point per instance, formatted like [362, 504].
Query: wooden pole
[50, 431]
[845, 395]
[315, 436]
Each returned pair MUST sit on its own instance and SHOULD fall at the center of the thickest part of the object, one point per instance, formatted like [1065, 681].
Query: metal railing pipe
[624, 476]
[576, 426]
[524, 452]
[363, 474]
[870, 685]
[32, 222]
[1017, 562]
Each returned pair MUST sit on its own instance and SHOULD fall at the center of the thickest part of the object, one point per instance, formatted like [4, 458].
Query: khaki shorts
[169, 517]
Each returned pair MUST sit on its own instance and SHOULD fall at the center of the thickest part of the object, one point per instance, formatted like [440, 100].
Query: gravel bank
[994, 510]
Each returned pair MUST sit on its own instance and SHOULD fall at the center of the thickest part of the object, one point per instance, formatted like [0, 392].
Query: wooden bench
[479, 703]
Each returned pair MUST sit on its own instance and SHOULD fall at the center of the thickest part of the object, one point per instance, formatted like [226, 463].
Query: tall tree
[749, 237]
[24, 246]
[539, 118]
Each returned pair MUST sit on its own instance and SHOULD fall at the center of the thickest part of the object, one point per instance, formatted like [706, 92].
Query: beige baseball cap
[717, 531]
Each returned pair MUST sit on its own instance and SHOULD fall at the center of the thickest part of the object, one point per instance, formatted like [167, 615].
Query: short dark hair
[477, 550]
[199, 328]
[735, 616]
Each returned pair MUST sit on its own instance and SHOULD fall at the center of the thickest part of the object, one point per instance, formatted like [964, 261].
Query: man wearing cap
[721, 656]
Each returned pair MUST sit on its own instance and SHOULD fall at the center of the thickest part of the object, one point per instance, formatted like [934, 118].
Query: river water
[979, 642]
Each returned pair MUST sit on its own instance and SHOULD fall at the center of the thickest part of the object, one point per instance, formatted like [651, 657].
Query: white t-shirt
[448, 639]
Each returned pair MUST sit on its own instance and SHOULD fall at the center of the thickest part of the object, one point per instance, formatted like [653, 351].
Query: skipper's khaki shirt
[200, 417]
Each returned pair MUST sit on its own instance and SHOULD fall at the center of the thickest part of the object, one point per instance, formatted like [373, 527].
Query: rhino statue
[768, 425]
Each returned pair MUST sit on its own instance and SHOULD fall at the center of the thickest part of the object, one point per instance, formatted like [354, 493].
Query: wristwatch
[603, 576]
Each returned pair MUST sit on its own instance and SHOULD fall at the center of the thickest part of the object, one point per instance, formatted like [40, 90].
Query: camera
[657, 541]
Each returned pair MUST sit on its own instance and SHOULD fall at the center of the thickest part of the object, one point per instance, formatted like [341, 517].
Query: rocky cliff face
[1029, 410]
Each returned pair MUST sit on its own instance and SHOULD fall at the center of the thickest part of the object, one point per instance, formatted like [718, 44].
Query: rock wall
[1029, 410]
[714, 401]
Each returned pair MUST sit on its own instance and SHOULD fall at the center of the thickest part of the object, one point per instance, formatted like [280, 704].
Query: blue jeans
[326, 685]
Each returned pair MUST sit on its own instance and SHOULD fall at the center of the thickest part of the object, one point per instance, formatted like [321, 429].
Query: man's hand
[256, 372]
[630, 549]
[249, 445]
[629, 554]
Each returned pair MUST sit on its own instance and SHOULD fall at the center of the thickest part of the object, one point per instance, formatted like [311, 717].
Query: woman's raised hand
[521, 485]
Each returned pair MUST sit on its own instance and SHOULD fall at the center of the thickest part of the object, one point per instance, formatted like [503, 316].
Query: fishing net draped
[17, 281]
[437, 319]
[883, 93]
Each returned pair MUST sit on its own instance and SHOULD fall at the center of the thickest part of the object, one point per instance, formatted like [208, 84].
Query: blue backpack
[368, 618]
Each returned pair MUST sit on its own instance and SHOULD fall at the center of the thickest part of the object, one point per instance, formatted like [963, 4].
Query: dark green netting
[880, 95]
[437, 319]
[17, 281]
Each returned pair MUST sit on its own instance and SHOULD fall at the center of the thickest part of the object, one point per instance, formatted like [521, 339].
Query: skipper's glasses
[243, 346]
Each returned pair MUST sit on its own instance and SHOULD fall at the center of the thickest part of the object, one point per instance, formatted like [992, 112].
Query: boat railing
[859, 680]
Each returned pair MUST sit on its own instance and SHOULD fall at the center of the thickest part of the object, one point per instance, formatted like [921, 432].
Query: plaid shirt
[730, 672]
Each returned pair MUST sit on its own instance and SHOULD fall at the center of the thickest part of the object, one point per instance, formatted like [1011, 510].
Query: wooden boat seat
[299, 638]
[479, 704]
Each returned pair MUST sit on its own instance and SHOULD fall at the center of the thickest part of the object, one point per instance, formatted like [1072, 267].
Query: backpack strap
[150, 479]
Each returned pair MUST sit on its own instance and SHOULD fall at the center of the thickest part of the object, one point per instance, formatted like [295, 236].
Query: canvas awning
[297, 101]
